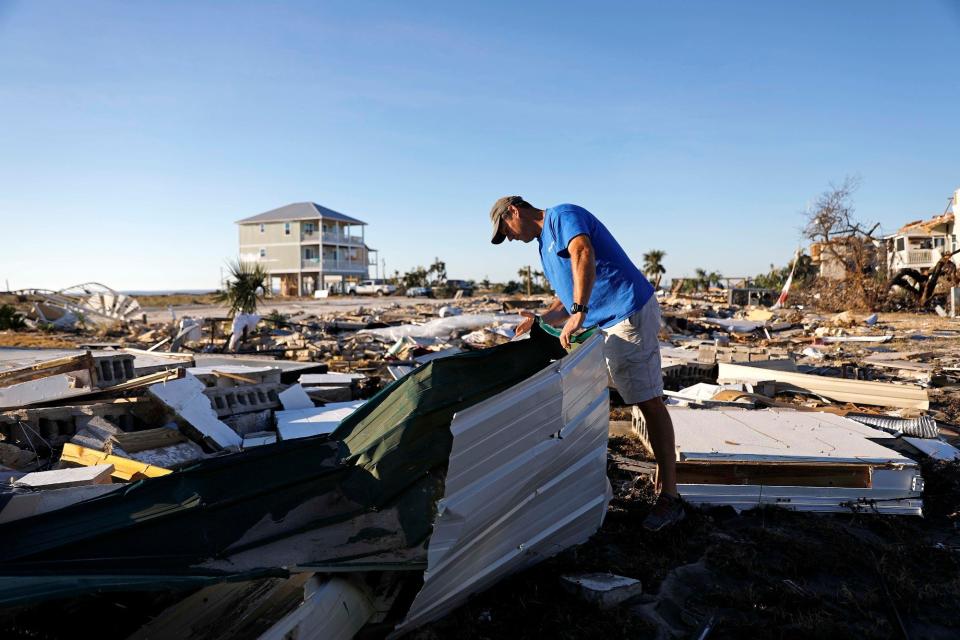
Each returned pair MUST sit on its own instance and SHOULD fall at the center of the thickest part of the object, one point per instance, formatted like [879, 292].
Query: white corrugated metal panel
[527, 478]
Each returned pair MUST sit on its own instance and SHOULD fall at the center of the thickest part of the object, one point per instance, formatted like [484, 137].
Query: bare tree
[846, 243]
[832, 214]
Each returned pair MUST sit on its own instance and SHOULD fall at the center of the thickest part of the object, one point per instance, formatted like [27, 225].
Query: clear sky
[134, 134]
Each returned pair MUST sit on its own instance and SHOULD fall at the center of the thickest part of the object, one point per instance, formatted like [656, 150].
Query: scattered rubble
[854, 415]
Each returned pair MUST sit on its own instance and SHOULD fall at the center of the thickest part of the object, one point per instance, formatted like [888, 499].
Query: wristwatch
[579, 308]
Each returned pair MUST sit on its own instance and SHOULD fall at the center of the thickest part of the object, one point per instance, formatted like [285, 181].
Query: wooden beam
[48, 368]
[134, 441]
[775, 474]
[883, 394]
[234, 376]
[124, 468]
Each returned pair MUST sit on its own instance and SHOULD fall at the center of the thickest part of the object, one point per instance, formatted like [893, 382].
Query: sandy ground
[342, 304]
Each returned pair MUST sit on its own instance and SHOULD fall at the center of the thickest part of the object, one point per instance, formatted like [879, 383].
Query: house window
[324, 228]
[900, 245]
[308, 254]
[263, 252]
[262, 228]
[308, 228]
[286, 228]
[939, 243]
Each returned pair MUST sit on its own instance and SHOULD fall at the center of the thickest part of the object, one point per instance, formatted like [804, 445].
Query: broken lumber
[124, 468]
[881, 394]
[136, 441]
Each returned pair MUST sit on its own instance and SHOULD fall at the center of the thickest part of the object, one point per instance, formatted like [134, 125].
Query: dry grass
[175, 300]
[36, 340]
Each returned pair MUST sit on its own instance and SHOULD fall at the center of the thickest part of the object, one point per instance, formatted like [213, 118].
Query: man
[597, 284]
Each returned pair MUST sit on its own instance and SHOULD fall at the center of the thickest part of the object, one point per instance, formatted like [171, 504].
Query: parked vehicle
[419, 292]
[460, 285]
[371, 288]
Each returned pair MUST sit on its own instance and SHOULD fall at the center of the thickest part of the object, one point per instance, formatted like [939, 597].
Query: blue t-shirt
[619, 289]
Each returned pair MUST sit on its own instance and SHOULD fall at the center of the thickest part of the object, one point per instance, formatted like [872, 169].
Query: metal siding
[516, 491]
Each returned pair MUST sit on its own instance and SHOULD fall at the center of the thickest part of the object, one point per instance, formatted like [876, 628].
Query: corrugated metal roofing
[527, 479]
[300, 211]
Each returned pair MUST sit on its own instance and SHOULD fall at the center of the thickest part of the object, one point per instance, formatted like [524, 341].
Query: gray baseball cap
[499, 208]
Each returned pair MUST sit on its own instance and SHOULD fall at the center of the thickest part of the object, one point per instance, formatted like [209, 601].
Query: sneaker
[666, 512]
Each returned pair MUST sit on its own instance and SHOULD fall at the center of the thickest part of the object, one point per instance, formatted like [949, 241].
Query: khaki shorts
[632, 351]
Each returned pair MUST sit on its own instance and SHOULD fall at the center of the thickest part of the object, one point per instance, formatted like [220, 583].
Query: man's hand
[527, 323]
[573, 324]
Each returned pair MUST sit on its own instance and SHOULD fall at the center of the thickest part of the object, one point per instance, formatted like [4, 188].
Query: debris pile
[205, 469]
[387, 462]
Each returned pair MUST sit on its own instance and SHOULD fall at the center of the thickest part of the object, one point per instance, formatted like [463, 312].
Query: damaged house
[920, 244]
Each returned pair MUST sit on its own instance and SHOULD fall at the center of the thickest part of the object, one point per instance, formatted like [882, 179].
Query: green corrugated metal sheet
[389, 455]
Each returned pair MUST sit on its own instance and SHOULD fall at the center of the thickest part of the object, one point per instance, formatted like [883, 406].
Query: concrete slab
[185, 398]
[303, 423]
[295, 398]
[62, 478]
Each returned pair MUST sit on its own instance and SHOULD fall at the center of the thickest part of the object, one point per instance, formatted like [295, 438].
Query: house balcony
[341, 238]
[353, 266]
[310, 263]
[916, 258]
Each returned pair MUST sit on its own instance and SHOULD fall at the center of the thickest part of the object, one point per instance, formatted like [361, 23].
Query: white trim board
[883, 394]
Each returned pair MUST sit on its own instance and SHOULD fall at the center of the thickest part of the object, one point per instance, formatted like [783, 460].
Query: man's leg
[633, 360]
[660, 431]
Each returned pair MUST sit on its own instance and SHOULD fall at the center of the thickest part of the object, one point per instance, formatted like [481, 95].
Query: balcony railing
[342, 238]
[310, 263]
[344, 265]
[920, 256]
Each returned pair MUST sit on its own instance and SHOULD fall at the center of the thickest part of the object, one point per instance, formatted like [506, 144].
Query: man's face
[516, 227]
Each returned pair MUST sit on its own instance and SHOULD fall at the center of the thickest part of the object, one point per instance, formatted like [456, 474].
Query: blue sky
[134, 134]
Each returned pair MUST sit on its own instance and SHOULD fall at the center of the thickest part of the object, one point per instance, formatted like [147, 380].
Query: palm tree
[244, 288]
[539, 279]
[714, 277]
[653, 266]
[439, 268]
[702, 279]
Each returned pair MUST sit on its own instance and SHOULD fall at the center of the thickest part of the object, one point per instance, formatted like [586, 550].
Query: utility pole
[529, 281]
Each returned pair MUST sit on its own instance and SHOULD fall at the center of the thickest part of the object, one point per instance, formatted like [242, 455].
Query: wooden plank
[134, 441]
[48, 368]
[779, 474]
[124, 468]
[241, 610]
[237, 377]
[857, 391]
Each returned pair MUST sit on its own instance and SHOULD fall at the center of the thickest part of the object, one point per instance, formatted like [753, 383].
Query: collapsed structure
[275, 497]
[469, 468]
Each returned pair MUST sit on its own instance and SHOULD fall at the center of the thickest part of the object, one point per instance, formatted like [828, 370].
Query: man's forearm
[556, 313]
[584, 268]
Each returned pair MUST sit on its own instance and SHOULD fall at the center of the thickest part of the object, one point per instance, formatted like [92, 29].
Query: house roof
[300, 211]
[926, 225]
